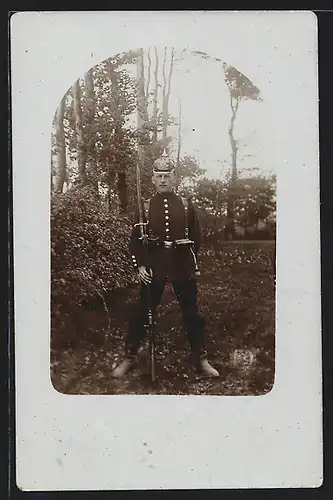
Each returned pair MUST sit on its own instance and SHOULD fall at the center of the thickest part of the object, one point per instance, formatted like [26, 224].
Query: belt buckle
[168, 244]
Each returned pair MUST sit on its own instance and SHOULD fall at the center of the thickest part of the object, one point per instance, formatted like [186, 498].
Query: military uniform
[169, 260]
[171, 219]
[171, 253]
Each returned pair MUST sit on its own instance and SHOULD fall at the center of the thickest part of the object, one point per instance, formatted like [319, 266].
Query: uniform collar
[172, 194]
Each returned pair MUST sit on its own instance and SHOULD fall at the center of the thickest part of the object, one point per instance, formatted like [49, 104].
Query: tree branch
[169, 81]
[81, 145]
[179, 138]
[155, 97]
[104, 306]
[164, 96]
[234, 109]
[148, 75]
[163, 71]
[61, 175]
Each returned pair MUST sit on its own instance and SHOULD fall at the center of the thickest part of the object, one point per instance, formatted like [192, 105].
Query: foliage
[239, 85]
[254, 200]
[240, 89]
[88, 249]
[105, 150]
[89, 233]
[237, 296]
[188, 171]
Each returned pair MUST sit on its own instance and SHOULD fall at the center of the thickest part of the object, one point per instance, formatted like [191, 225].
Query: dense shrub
[89, 254]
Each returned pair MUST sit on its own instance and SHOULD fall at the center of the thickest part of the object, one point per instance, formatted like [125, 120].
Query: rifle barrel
[151, 335]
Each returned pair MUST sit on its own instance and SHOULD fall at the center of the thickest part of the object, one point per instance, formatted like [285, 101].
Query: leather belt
[176, 243]
[168, 244]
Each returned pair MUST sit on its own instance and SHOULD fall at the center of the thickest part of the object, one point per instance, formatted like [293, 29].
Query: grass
[236, 294]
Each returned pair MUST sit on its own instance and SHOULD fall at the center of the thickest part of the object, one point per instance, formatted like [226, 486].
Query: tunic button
[166, 205]
[167, 236]
[166, 211]
[167, 217]
[165, 200]
[167, 229]
[167, 223]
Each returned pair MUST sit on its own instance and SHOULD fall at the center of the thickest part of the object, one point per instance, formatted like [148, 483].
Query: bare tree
[52, 174]
[166, 92]
[157, 146]
[141, 120]
[169, 80]
[81, 146]
[90, 111]
[155, 99]
[234, 104]
[61, 168]
[90, 100]
[118, 168]
[148, 75]
[240, 88]
[164, 96]
[179, 138]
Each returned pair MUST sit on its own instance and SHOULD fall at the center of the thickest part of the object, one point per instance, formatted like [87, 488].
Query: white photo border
[69, 442]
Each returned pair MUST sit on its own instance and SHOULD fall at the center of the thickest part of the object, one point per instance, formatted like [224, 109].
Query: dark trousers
[186, 293]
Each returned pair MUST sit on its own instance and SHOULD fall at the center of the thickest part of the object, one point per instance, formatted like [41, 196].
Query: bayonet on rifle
[144, 240]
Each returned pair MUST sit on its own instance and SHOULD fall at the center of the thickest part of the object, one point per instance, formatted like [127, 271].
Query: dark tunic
[166, 219]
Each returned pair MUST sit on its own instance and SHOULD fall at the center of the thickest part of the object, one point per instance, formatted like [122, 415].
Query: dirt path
[237, 296]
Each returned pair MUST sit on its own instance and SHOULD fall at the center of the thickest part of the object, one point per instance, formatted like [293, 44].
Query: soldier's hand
[145, 275]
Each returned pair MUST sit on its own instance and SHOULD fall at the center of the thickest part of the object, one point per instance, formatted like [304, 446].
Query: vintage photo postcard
[166, 250]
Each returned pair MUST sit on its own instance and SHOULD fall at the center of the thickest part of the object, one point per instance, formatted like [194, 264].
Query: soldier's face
[163, 181]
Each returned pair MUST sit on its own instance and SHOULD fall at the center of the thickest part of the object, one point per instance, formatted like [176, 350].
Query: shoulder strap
[185, 205]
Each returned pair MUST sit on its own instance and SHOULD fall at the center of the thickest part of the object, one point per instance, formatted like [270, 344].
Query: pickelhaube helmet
[163, 164]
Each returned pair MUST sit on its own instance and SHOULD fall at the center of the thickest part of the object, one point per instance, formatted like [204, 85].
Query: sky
[206, 112]
[200, 87]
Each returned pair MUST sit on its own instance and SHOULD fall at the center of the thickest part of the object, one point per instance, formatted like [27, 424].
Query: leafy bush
[89, 249]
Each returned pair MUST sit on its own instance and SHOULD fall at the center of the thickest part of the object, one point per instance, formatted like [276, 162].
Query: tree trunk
[217, 199]
[166, 94]
[169, 82]
[81, 146]
[118, 167]
[90, 101]
[233, 180]
[141, 120]
[52, 175]
[246, 220]
[155, 100]
[141, 98]
[165, 105]
[148, 76]
[122, 190]
[179, 142]
[110, 183]
[61, 171]
[90, 110]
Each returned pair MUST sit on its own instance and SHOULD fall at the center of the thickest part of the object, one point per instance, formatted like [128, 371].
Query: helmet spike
[163, 163]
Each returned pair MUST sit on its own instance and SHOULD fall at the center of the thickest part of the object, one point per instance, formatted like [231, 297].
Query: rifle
[151, 333]
[145, 239]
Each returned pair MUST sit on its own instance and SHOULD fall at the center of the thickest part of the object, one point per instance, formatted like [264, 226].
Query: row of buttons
[166, 212]
[135, 264]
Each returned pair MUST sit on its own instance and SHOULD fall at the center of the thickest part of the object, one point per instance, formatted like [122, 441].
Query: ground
[237, 296]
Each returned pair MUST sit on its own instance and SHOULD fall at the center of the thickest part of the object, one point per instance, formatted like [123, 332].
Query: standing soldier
[174, 241]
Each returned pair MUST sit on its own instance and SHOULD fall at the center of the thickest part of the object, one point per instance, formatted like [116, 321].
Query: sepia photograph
[166, 250]
[163, 228]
